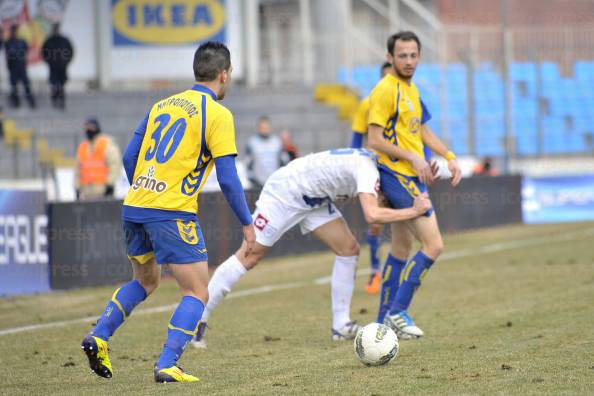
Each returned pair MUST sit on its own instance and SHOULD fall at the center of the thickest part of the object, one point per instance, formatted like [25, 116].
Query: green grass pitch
[507, 311]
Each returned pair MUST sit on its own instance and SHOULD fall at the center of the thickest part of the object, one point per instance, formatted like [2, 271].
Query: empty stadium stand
[546, 104]
[314, 127]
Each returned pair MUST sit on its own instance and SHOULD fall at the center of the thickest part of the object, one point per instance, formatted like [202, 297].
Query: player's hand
[455, 171]
[249, 236]
[434, 171]
[109, 191]
[423, 169]
[422, 203]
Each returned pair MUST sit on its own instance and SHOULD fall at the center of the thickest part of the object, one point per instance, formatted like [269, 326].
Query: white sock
[224, 278]
[343, 284]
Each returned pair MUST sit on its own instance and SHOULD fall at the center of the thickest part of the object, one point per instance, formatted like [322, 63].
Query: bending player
[304, 193]
[398, 132]
[167, 162]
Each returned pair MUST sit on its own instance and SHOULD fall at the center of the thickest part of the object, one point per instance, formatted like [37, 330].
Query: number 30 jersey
[182, 136]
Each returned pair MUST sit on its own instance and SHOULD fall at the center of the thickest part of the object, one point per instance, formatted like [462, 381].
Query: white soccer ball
[376, 344]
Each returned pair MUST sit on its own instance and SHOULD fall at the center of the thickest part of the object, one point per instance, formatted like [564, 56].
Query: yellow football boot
[173, 374]
[96, 350]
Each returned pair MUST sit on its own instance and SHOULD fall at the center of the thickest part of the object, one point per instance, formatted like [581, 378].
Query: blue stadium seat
[526, 132]
[458, 130]
[554, 136]
[549, 71]
[584, 71]
[523, 71]
[341, 75]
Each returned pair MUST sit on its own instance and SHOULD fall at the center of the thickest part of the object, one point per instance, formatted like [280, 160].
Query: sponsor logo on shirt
[149, 182]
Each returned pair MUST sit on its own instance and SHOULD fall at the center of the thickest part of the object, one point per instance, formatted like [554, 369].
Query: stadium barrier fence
[87, 248]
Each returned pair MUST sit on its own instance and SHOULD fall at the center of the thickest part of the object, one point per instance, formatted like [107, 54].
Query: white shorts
[273, 217]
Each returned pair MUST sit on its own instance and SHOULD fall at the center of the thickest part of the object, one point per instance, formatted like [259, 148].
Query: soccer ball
[376, 344]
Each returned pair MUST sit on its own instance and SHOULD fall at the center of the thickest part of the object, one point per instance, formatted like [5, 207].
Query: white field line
[493, 248]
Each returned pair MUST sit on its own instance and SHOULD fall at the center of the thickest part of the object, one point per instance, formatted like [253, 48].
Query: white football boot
[198, 341]
[346, 332]
[403, 326]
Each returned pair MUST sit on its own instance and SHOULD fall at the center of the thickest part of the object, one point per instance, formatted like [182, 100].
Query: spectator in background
[264, 152]
[57, 52]
[99, 164]
[485, 168]
[16, 62]
[290, 150]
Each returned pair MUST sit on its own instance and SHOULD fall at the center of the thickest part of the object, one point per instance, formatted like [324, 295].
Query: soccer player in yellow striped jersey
[167, 162]
[398, 133]
[359, 128]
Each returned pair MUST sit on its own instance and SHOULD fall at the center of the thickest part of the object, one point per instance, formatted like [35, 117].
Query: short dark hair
[385, 65]
[263, 118]
[404, 36]
[210, 59]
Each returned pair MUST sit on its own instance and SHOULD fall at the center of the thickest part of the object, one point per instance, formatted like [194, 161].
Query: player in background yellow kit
[167, 162]
[401, 247]
[398, 133]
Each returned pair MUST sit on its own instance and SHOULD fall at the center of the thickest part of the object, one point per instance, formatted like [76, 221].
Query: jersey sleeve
[220, 137]
[425, 114]
[360, 120]
[132, 152]
[368, 178]
[381, 106]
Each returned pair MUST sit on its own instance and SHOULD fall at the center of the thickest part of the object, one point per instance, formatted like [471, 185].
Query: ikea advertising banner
[156, 39]
[558, 199]
[23, 242]
[167, 22]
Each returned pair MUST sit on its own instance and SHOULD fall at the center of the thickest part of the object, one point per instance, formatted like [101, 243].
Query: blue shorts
[401, 190]
[170, 241]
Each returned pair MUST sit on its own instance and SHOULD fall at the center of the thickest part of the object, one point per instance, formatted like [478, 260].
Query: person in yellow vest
[98, 164]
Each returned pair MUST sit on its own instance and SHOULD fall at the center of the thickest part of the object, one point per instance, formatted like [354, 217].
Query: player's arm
[437, 146]
[375, 214]
[368, 187]
[377, 142]
[357, 140]
[235, 196]
[221, 144]
[132, 151]
[232, 189]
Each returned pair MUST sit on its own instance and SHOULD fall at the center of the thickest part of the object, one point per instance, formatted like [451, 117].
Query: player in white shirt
[304, 193]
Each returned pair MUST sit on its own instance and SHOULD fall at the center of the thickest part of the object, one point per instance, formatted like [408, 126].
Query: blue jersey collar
[204, 89]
